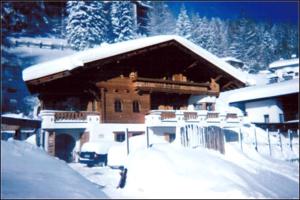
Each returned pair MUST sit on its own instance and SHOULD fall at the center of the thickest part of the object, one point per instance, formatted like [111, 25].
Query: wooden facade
[124, 88]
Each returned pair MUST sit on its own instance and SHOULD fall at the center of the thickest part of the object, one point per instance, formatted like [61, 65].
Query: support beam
[194, 64]
[218, 77]
[227, 85]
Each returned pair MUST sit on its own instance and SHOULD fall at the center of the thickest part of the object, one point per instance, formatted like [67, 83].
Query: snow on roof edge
[261, 91]
[76, 60]
[282, 63]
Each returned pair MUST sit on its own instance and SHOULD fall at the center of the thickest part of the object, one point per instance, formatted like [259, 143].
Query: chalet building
[99, 93]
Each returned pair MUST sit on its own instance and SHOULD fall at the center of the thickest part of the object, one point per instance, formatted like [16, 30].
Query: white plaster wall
[105, 131]
[256, 110]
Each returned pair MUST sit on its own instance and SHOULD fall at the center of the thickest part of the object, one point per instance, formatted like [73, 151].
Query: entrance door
[64, 145]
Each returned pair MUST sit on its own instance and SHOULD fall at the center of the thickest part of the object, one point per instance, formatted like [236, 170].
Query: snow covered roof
[283, 63]
[261, 91]
[76, 60]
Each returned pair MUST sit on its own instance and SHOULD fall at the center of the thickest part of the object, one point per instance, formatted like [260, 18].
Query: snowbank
[168, 171]
[28, 172]
[117, 154]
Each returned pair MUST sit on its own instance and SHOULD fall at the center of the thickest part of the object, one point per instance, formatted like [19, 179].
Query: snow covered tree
[183, 24]
[87, 24]
[161, 21]
[123, 25]
[29, 17]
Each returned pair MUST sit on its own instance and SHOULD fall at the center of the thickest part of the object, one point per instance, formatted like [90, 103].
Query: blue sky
[272, 11]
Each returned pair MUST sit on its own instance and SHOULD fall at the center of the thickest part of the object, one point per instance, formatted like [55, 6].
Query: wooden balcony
[170, 86]
[54, 119]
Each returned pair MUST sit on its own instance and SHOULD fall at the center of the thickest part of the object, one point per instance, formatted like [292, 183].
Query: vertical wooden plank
[280, 141]
[241, 139]
[127, 141]
[51, 144]
[269, 142]
[290, 139]
[147, 134]
[255, 138]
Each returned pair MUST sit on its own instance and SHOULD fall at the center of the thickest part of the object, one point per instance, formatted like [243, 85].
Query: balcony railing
[161, 117]
[71, 115]
[167, 115]
[231, 116]
[212, 115]
[158, 85]
[190, 115]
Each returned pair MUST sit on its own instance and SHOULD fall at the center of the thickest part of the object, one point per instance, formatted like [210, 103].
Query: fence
[211, 137]
[38, 44]
[275, 143]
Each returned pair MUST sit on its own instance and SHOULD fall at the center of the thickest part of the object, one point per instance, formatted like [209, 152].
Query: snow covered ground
[169, 171]
[29, 172]
[162, 171]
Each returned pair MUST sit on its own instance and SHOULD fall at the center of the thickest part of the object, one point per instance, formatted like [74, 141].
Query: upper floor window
[118, 105]
[135, 106]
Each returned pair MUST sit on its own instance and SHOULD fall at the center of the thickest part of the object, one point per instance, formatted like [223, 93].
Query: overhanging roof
[261, 91]
[79, 59]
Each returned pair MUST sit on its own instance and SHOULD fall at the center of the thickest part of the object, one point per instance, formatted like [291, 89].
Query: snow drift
[28, 172]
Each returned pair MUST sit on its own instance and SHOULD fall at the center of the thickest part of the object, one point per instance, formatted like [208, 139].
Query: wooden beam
[218, 77]
[194, 64]
[227, 85]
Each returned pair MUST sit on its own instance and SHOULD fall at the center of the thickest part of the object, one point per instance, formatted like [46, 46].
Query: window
[118, 106]
[209, 106]
[119, 136]
[197, 106]
[281, 118]
[266, 118]
[135, 106]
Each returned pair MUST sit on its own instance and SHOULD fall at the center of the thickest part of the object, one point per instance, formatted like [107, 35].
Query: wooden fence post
[241, 139]
[147, 134]
[290, 138]
[127, 141]
[269, 142]
[255, 139]
[280, 142]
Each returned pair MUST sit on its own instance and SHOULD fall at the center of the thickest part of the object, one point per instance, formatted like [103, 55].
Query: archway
[64, 145]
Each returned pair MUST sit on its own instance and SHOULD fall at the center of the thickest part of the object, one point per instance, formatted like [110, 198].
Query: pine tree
[200, 31]
[87, 25]
[161, 20]
[183, 24]
[123, 24]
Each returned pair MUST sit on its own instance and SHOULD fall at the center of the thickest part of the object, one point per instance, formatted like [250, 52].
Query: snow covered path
[29, 172]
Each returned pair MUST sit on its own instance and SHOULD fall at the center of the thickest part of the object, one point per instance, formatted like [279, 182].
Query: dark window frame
[118, 105]
[136, 106]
